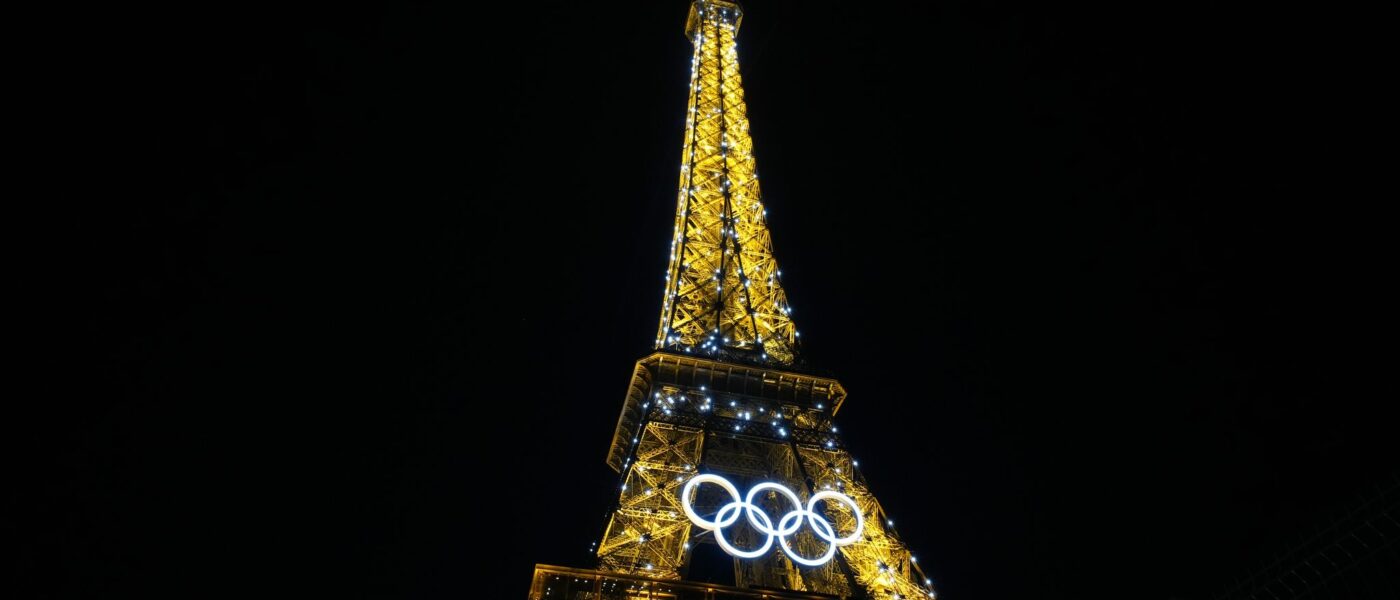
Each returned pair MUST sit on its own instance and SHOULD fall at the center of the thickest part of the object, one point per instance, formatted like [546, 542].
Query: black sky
[356, 291]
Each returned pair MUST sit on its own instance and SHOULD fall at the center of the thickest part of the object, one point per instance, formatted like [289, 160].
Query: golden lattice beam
[723, 297]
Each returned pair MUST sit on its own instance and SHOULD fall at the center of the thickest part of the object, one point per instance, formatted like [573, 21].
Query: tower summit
[724, 446]
[723, 297]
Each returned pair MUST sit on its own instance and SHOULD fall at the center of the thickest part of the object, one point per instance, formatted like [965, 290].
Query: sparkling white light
[761, 522]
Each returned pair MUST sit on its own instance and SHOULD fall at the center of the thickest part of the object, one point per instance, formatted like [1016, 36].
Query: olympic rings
[761, 522]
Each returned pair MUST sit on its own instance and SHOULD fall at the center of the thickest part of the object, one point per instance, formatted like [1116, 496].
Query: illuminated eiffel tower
[723, 406]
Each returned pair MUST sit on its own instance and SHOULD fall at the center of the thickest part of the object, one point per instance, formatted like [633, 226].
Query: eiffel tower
[723, 437]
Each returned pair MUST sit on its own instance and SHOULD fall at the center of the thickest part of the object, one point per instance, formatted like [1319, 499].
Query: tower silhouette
[724, 437]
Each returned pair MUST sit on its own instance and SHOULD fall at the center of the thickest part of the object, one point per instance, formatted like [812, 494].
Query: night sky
[356, 292]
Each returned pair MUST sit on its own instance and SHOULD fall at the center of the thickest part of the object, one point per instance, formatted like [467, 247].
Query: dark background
[349, 295]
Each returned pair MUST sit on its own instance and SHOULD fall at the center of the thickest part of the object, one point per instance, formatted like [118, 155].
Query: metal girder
[648, 531]
[723, 297]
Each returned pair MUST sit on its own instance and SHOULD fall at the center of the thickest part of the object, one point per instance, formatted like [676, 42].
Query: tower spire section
[723, 296]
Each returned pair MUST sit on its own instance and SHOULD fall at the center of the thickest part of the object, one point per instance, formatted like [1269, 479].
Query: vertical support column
[648, 530]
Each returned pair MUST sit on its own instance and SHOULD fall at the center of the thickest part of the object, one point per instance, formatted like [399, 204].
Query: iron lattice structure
[722, 394]
[722, 297]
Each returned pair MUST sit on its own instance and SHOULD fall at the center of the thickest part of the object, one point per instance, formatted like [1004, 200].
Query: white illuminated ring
[761, 522]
